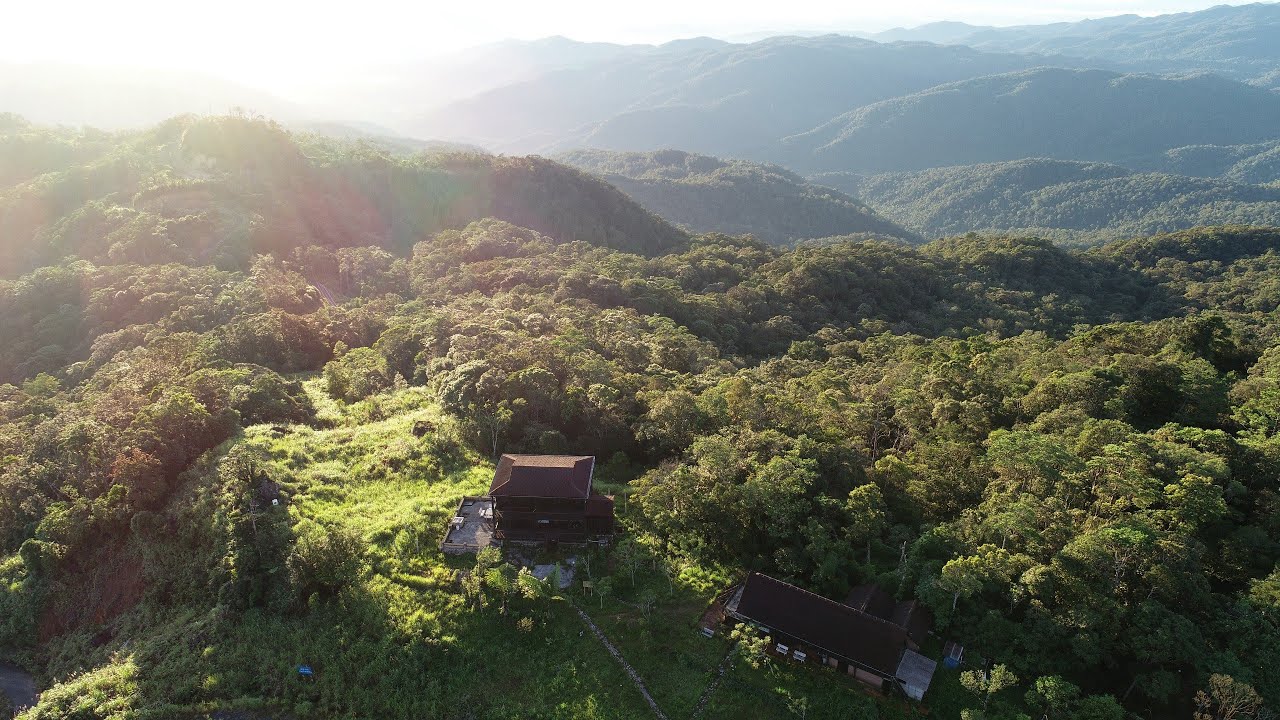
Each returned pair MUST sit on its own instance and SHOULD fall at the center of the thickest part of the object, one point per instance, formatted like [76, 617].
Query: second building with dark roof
[548, 498]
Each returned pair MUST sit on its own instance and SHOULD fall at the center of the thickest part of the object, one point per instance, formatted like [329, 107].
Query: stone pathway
[635, 676]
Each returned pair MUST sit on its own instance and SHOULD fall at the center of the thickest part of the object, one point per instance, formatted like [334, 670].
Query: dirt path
[715, 683]
[635, 676]
[18, 685]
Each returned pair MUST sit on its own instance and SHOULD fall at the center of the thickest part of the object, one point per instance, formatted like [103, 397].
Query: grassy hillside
[704, 194]
[398, 641]
[1074, 202]
[1049, 113]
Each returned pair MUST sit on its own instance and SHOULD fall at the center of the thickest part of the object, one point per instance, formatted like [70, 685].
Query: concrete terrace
[471, 527]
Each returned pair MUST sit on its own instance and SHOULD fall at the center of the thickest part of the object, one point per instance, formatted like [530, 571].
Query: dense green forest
[1070, 201]
[1258, 163]
[1069, 456]
[704, 194]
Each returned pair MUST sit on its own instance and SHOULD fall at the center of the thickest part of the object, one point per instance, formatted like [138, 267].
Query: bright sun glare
[270, 43]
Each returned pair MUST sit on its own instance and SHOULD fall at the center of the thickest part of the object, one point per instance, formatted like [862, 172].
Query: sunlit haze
[277, 44]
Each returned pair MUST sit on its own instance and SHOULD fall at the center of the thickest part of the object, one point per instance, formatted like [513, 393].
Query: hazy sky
[271, 41]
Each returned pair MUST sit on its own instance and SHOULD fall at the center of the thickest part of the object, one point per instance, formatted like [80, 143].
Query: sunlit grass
[404, 641]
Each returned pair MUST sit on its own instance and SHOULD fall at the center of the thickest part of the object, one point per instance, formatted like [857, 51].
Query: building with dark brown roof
[908, 614]
[804, 625]
[548, 498]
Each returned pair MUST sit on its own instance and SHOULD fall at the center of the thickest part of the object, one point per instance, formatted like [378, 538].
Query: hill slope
[1257, 163]
[1240, 40]
[1054, 113]
[705, 194]
[1066, 200]
[126, 97]
[223, 189]
[728, 100]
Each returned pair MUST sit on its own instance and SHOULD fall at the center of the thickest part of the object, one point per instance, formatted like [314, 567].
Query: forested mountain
[1242, 41]
[827, 103]
[250, 375]
[1258, 163]
[730, 100]
[742, 100]
[1049, 112]
[1070, 201]
[704, 194]
[222, 190]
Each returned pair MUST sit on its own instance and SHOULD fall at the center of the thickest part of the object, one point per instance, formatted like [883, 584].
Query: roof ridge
[547, 455]
[849, 608]
[573, 473]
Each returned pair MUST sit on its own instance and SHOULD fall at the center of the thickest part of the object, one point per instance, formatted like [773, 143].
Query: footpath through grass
[406, 641]
[403, 642]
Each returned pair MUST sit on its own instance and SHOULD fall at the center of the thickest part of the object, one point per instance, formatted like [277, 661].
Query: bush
[357, 374]
[324, 560]
[268, 397]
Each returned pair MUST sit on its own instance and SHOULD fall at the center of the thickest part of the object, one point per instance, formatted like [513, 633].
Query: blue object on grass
[305, 671]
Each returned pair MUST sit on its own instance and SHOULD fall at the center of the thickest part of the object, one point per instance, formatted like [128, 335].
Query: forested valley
[221, 338]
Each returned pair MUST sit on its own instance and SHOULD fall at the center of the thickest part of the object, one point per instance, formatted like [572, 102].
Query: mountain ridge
[705, 194]
[1070, 201]
[1091, 115]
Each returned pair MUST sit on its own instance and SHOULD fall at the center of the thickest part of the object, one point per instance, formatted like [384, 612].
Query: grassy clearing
[405, 641]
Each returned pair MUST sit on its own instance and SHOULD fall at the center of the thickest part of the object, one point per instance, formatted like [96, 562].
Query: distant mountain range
[735, 100]
[940, 127]
[943, 95]
[1060, 113]
[704, 194]
[1239, 40]
[126, 97]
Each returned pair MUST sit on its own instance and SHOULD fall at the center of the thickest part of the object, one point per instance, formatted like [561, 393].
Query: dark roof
[825, 624]
[546, 476]
[913, 616]
[599, 505]
[873, 600]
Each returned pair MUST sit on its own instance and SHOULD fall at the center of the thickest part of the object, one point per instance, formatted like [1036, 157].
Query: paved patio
[471, 527]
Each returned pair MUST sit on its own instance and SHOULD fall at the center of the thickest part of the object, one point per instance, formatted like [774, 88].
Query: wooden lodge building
[871, 637]
[548, 498]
